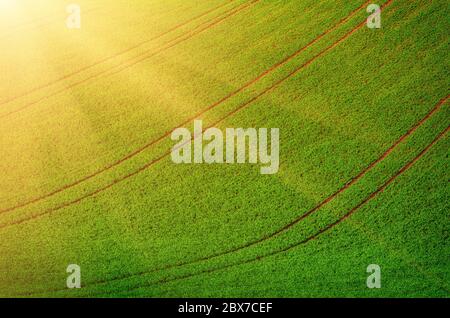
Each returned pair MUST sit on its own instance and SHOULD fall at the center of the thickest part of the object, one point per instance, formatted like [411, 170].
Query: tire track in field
[143, 56]
[316, 235]
[289, 247]
[300, 218]
[164, 47]
[286, 227]
[167, 153]
[187, 121]
[233, 12]
[178, 26]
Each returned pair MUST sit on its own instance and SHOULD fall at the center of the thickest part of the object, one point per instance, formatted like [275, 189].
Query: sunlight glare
[6, 4]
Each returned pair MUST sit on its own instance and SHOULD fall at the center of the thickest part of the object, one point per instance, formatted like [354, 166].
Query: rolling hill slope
[85, 123]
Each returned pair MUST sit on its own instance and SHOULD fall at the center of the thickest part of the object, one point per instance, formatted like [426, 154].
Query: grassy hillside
[85, 123]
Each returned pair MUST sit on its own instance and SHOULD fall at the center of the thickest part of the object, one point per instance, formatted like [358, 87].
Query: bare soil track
[187, 121]
[62, 78]
[320, 205]
[371, 196]
[158, 159]
[317, 234]
[107, 72]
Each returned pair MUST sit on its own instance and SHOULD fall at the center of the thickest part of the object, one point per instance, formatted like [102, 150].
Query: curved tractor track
[123, 65]
[323, 203]
[158, 159]
[317, 234]
[187, 121]
[103, 60]
[297, 220]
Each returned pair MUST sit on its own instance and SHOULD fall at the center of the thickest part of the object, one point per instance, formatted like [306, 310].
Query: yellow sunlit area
[224, 148]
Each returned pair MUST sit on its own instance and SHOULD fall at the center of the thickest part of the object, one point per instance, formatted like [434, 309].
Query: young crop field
[91, 93]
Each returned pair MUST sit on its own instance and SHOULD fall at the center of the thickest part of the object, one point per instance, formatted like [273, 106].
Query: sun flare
[5, 4]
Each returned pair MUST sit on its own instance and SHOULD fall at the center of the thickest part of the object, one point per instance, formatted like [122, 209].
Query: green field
[85, 122]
